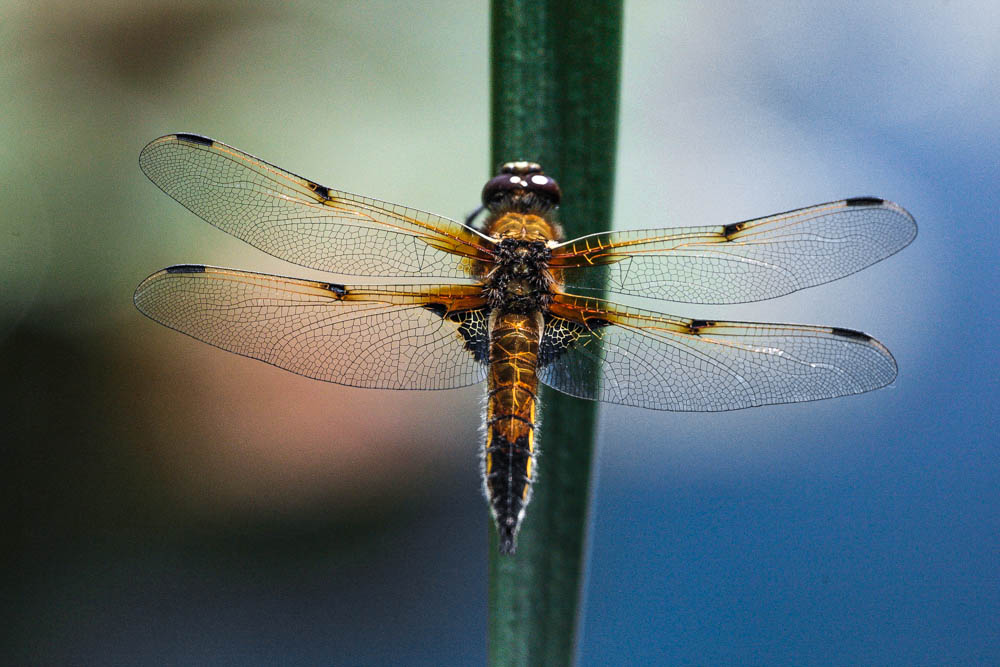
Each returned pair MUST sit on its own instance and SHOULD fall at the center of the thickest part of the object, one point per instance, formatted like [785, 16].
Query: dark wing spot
[339, 290]
[194, 139]
[438, 309]
[473, 329]
[186, 268]
[864, 201]
[850, 333]
[471, 326]
[321, 190]
[729, 231]
[561, 335]
[697, 325]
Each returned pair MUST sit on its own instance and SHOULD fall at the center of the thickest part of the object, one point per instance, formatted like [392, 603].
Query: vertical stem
[555, 75]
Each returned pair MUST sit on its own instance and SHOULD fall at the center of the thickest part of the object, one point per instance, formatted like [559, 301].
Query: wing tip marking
[864, 201]
[851, 334]
[194, 139]
[186, 268]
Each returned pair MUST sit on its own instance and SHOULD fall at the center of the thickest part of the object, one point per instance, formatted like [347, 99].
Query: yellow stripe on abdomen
[510, 419]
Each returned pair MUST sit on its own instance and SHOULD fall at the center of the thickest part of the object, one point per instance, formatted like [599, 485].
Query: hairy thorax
[520, 280]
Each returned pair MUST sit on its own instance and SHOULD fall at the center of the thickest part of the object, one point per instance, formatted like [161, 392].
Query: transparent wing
[598, 350]
[410, 337]
[745, 261]
[303, 222]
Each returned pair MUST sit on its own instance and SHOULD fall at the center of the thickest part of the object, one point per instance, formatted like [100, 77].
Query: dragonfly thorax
[520, 281]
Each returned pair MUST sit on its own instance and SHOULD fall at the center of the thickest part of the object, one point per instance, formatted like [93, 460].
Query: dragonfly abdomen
[509, 453]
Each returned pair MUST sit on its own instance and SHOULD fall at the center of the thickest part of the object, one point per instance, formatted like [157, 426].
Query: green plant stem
[555, 79]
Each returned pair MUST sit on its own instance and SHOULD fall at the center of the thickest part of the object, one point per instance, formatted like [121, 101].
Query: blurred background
[171, 503]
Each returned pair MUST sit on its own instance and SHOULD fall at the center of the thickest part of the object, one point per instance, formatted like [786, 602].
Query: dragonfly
[510, 302]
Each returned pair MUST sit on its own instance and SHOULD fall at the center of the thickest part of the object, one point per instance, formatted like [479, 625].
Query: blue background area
[862, 531]
[173, 504]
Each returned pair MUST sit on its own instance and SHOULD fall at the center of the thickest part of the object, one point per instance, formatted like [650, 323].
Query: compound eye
[544, 187]
[523, 182]
[499, 186]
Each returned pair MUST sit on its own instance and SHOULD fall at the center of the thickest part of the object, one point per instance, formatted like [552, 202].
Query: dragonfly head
[523, 187]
